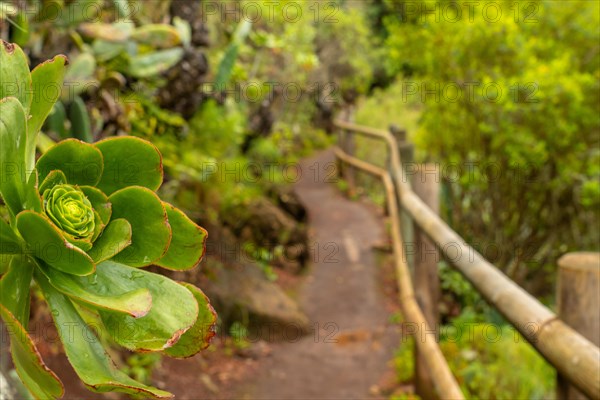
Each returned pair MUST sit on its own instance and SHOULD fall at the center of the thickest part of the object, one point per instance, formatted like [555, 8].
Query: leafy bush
[477, 351]
[82, 234]
[519, 146]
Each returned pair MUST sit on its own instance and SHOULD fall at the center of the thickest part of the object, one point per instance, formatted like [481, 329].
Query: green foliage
[476, 351]
[453, 283]
[81, 234]
[521, 142]
[404, 361]
[221, 128]
[264, 258]
[239, 335]
[140, 366]
[148, 120]
[348, 51]
[81, 126]
[482, 357]
[229, 57]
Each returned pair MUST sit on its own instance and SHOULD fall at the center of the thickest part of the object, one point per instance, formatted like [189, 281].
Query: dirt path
[349, 349]
[352, 343]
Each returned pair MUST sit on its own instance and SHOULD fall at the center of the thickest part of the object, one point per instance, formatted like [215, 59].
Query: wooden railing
[575, 358]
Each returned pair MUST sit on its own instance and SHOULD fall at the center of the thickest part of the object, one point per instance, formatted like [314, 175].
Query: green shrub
[521, 167]
[484, 356]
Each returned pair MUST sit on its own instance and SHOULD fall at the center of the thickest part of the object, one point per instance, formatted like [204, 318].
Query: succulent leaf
[159, 36]
[46, 242]
[198, 337]
[15, 75]
[56, 121]
[36, 376]
[115, 237]
[174, 309]
[151, 232]
[10, 243]
[12, 154]
[85, 352]
[14, 288]
[47, 79]
[56, 177]
[152, 64]
[81, 125]
[99, 202]
[80, 162]
[135, 303]
[129, 161]
[187, 244]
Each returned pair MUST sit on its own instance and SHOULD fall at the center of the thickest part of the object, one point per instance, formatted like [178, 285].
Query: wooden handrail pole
[563, 347]
[443, 381]
[578, 297]
[575, 357]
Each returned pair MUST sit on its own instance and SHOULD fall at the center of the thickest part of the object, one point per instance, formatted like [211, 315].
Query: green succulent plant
[82, 221]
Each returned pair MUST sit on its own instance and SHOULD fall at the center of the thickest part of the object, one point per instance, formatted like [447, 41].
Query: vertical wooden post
[422, 255]
[426, 184]
[406, 150]
[348, 144]
[578, 297]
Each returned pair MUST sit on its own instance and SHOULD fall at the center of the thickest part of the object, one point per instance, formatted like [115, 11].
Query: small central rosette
[70, 211]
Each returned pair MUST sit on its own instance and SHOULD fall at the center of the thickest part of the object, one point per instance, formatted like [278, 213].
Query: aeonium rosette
[83, 220]
[71, 211]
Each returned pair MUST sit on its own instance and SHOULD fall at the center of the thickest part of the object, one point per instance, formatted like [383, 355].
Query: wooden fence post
[578, 297]
[426, 185]
[406, 150]
[347, 141]
[424, 180]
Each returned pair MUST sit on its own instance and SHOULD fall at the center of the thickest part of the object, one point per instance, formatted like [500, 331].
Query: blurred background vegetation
[506, 101]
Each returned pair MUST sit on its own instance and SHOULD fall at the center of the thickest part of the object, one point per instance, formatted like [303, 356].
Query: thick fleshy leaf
[10, 243]
[75, 12]
[5, 260]
[15, 75]
[151, 233]
[114, 33]
[174, 309]
[13, 138]
[46, 242]
[56, 177]
[33, 200]
[81, 162]
[115, 237]
[87, 290]
[79, 75]
[129, 161]
[151, 64]
[47, 79]
[36, 376]
[159, 36]
[99, 202]
[105, 50]
[98, 227]
[187, 243]
[15, 286]
[85, 352]
[198, 337]
[84, 245]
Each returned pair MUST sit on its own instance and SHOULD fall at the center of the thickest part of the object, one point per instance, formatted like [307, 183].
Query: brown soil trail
[352, 342]
[349, 350]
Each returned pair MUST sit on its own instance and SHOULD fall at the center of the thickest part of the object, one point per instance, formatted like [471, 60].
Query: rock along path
[352, 343]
